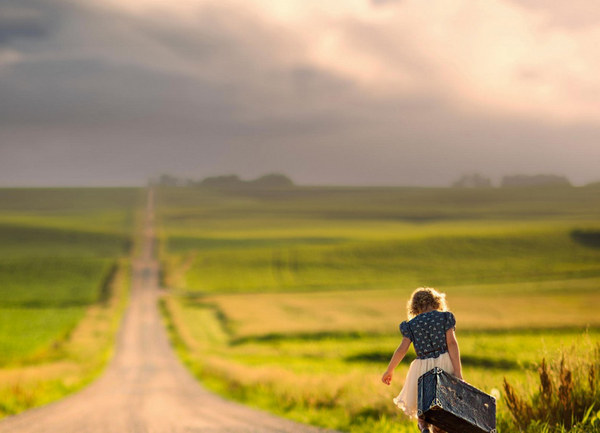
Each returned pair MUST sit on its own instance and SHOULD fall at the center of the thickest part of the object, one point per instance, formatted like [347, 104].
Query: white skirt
[407, 399]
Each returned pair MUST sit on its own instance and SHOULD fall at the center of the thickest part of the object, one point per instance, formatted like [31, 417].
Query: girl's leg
[423, 426]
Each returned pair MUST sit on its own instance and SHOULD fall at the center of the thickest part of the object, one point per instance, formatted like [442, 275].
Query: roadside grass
[28, 334]
[289, 299]
[566, 398]
[64, 283]
[65, 361]
[332, 378]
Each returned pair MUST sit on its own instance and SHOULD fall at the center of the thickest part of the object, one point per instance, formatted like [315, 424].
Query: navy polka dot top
[427, 331]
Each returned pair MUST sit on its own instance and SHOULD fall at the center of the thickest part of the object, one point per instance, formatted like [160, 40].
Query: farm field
[289, 299]
[63, 285]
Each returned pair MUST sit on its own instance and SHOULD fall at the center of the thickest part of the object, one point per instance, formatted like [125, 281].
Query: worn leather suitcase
[454, 405]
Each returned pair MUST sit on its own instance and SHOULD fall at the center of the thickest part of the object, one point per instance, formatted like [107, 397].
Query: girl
[431, 330]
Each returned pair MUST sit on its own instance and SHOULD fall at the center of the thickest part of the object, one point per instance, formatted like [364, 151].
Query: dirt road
[145, 389]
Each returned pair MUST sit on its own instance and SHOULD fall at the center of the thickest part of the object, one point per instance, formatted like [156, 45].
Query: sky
[336, 92]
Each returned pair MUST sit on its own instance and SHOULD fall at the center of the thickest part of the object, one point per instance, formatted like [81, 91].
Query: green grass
[51, 282]
[61, 252]
[97, 208]
[289, 299]
[26, 239]
[58, 251]
[25, 332]
[274, 265]
[315, 239]
[185, 207]
[82, 341]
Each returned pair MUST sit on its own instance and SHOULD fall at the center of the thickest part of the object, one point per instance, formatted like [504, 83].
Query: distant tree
[228, 181]
[272, 180]
[168, 180]
[474, 180]
[521, 180]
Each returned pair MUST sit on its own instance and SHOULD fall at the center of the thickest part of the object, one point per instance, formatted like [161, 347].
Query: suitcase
[455, 406]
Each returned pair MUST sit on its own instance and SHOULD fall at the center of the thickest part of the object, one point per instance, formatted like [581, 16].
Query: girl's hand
[387, 377]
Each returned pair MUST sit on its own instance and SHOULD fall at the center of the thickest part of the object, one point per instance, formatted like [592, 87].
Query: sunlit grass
[542, 305]
[26, 333]
[317, 264]
[565, 400]
[332, 379]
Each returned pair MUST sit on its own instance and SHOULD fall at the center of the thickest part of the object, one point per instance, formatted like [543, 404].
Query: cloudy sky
[376, 92]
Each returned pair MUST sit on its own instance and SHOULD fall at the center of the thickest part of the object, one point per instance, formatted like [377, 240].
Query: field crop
[61, 255]
[310, 239]
[289, 299]
[527, 306]
[316, 265]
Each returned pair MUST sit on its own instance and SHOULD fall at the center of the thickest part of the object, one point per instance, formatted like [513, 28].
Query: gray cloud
[24, 20]
[104, 97]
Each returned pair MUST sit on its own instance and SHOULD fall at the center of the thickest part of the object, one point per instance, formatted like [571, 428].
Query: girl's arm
[454, 352]
[396, 358]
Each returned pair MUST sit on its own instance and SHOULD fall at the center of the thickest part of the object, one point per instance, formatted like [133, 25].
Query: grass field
[63, 286]
[289, 299]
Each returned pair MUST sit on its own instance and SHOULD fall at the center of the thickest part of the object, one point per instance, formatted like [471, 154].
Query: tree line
[271, 180]
[477, 180]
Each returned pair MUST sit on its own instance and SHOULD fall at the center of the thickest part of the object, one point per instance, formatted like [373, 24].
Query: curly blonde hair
[425, 298]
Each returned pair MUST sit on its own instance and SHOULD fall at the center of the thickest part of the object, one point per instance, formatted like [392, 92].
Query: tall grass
[568, 393]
